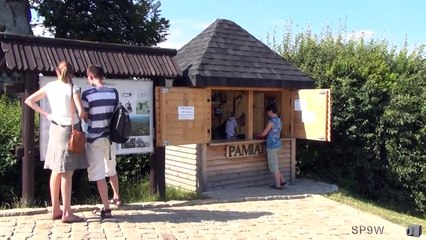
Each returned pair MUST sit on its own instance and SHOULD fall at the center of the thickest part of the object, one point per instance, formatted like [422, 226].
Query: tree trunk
[15, 17]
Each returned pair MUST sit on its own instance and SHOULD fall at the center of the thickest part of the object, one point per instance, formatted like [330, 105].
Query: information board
[135, 95]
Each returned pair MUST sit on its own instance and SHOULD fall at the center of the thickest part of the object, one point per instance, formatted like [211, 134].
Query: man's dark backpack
[120, 125]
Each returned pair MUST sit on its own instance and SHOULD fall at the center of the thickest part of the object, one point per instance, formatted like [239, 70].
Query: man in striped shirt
[100, 102]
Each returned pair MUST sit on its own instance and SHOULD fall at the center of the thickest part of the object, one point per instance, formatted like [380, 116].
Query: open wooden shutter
[183, 115]
[311, 111]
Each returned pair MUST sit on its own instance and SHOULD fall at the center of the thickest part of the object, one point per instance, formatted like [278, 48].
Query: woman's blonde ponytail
[64, 70]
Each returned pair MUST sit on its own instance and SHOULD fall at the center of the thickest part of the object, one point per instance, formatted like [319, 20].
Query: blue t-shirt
[273, 139]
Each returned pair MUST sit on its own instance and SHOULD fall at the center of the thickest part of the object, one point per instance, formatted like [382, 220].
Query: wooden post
[202, 170]
[161, 169]
[285, 113]
[157, 160]
[293, 161]
[157, 177]
[31, 83]
[152, 175]
[249, 116]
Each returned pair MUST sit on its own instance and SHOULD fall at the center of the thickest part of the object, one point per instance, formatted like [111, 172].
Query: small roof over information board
[41, 55]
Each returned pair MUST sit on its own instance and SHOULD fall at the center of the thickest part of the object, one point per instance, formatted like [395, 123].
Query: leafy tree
[115, 21]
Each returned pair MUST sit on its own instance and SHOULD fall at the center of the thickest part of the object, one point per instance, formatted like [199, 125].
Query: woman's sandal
[103, 213]
[74, 219]
[117, 202]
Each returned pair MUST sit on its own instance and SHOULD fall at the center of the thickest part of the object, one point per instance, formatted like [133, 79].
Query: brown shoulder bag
[77, 141]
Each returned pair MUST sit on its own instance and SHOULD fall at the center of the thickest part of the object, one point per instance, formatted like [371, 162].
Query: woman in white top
[58, 159]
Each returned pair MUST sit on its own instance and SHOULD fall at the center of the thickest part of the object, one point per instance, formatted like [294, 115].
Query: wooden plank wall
[170, 130]
[181, 166]
[246, 171]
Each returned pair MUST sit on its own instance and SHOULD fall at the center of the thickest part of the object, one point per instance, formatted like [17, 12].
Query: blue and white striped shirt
[99, 103]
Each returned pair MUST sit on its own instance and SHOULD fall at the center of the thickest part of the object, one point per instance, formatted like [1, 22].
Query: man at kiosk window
[272, 132]
[231, 127]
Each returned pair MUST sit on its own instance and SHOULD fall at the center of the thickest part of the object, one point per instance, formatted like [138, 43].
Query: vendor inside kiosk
[229, 113]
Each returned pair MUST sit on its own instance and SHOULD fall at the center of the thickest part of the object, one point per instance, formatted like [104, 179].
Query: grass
[130, 193]
[350, 198]
[347, 198]
[139, 192]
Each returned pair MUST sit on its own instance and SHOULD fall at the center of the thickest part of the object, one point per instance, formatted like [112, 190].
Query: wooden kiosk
[227, 71]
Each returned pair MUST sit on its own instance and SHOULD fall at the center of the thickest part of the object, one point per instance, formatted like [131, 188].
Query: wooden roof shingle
[40, 54]
[225, 54]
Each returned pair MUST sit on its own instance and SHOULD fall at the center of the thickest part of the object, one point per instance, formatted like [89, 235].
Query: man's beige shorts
[101, 156]
[272, 155]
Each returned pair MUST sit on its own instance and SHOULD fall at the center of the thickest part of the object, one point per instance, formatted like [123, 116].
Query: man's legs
[113, 180]
[277, 176]
[111, 172]
[98, 153]
[103, 192]
[272, 155]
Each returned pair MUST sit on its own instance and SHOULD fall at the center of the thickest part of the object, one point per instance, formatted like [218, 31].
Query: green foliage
[133, 167]
[378, 115]
[10, 115]
[10, 136]
[130, 22]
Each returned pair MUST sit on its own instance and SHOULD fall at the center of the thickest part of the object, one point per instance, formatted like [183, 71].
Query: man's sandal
[103, 213]
[117, 202]
[273, 186]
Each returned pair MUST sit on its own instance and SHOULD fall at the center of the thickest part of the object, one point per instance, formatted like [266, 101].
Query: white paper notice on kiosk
[186, 112]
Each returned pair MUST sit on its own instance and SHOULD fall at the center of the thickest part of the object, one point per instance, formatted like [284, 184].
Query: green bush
[378, 116]
[10, 136]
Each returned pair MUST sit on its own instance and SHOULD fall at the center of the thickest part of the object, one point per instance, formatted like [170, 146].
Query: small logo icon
[414, 230]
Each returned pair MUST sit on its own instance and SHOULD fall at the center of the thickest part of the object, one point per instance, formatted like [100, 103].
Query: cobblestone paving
[262, 216]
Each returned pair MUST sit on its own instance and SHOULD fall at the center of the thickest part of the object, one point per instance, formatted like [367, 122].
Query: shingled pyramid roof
[225, 54]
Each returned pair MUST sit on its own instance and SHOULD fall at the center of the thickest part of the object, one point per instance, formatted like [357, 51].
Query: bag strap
[72, 106]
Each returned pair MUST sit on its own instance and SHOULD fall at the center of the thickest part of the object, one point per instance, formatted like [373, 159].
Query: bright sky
[393, 20]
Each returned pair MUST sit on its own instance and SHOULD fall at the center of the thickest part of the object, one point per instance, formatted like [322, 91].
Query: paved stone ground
[297, 212]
